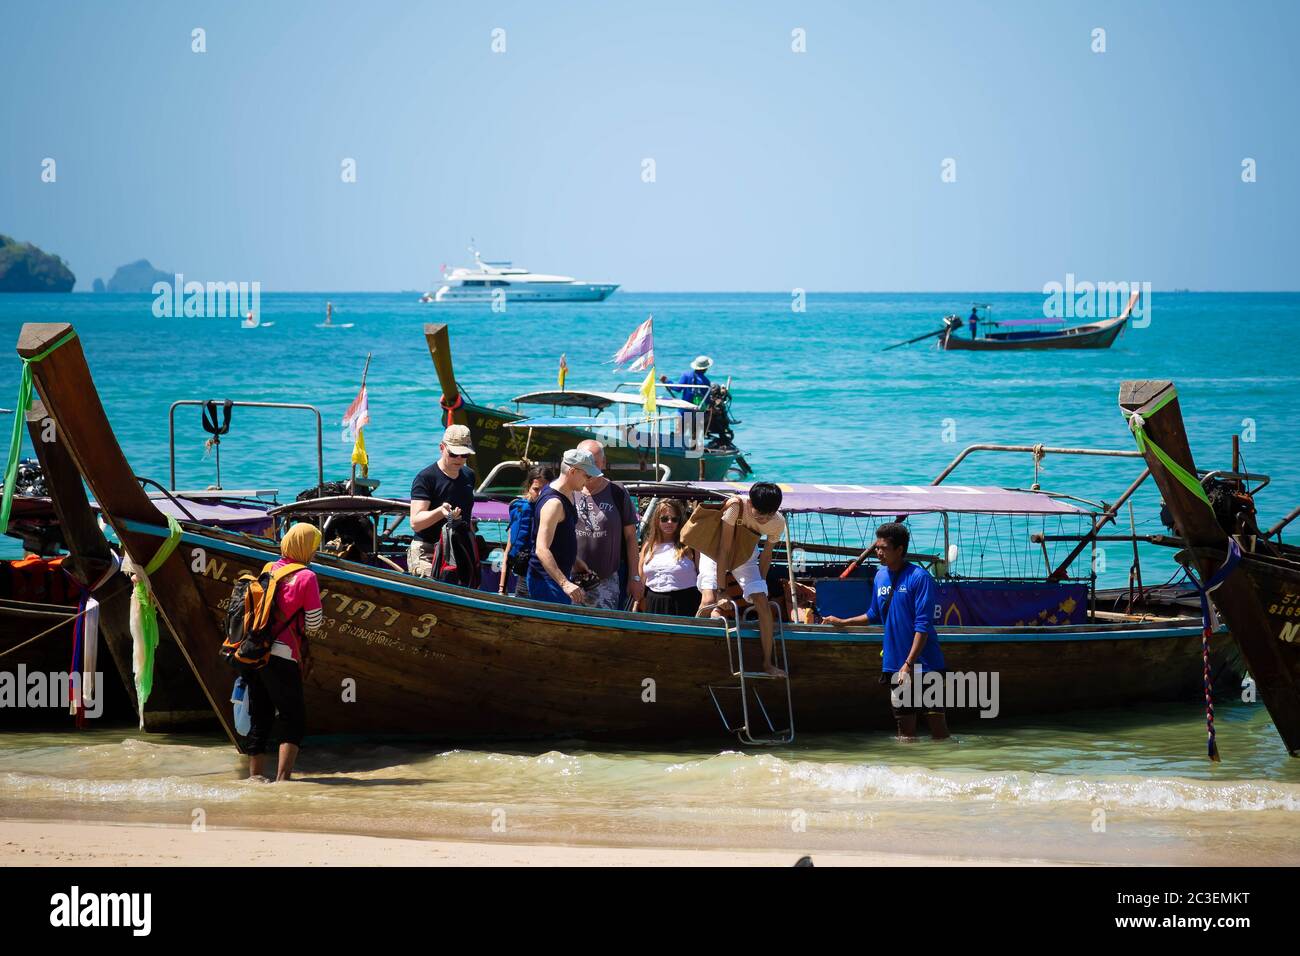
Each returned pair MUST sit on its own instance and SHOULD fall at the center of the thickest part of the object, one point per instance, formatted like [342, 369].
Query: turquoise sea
[818, 401]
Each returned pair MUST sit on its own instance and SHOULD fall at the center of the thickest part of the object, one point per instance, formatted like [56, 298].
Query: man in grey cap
[607, 535]
[554, 533]
[443, 491]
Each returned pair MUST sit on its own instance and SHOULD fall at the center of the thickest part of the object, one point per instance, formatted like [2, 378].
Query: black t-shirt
[433, 485]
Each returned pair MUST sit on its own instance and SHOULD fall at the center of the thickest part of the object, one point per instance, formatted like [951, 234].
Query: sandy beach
[43, 843]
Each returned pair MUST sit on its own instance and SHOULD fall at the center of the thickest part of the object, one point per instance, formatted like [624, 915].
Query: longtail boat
[63, 532]
[1021, 334]
[399, 655]
[1258, 580]
[636, 445]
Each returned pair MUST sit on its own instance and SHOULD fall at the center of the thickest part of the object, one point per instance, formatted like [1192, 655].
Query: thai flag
[358, 414]
[639, 349]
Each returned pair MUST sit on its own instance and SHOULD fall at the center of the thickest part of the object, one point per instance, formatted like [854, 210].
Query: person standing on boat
[607, 535]
[522, 514]
[696, 396]
[695, 377]
[275, 696]
[670, 568]
[761, 514]
[443, 491]
[903, 596]
[555, 533]
[974, 319]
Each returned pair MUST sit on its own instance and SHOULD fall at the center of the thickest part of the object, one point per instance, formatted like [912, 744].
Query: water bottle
[239, 697]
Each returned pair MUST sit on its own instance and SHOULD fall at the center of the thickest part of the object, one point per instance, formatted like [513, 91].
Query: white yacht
[485, 279]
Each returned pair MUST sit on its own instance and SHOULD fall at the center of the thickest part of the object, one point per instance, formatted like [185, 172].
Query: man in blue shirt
[695, 376]
[903, 595]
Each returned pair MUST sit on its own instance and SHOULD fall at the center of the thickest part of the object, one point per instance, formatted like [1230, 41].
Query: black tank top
[564, 543]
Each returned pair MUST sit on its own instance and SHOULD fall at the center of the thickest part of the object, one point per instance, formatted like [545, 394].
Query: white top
[664, 571]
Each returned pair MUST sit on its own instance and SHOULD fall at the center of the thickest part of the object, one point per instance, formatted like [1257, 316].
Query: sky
[772, 169]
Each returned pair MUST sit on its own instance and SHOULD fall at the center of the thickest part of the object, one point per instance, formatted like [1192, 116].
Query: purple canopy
[851, 499]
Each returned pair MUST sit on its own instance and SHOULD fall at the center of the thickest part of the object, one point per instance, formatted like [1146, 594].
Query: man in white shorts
[760, 513]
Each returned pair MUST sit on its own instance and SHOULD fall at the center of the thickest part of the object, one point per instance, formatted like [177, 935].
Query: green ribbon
[149, 639]
[1184, 477]
[20, 419]
[149, 613]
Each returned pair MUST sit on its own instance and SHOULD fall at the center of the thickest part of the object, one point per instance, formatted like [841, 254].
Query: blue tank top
[564, 543]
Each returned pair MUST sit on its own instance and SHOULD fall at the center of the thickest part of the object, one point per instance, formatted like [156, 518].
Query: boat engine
[717, 418]
[1234, 508]
[348, 536]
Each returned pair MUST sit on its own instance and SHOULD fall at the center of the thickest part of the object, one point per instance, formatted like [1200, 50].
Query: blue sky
[774, 170]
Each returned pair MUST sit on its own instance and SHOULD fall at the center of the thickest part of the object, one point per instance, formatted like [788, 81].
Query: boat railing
[1038, 451]
[224, 426]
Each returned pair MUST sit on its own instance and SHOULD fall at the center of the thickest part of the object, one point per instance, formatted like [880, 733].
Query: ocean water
[817, 400]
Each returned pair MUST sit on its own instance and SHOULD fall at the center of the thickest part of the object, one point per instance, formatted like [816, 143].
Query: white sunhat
[701, 363]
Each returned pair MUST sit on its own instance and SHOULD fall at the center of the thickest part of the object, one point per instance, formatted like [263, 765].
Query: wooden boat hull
[1096, 336]
[401, 656]
[1256, 599]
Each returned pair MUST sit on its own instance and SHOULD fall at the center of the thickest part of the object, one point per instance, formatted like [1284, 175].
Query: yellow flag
[359, 456]
[564, 370]
[648, 391]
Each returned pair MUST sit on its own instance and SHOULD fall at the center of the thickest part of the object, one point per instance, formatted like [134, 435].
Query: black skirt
[683, 603]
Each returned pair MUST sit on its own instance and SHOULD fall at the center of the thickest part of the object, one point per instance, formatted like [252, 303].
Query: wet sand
[45, 843]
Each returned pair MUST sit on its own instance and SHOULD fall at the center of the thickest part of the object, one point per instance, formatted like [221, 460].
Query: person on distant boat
[444, 491]
[275, 690]
[522, 512]
[761, 514]
[695, 377]
[903, 597]
[974, 319]
[555, 533]
[696, 396]
[670, 569]
[607, 535]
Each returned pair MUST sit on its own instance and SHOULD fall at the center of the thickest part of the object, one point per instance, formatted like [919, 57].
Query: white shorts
[747, 576]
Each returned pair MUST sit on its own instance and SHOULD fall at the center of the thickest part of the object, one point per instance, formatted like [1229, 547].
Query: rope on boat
[1203, 590]
[20, 417]
[450, 409]
[1189, 481]
[51, 630]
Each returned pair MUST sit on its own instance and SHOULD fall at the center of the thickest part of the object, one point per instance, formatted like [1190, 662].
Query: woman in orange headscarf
[275, 691]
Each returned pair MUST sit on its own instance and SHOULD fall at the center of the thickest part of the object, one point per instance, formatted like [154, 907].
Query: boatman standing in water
[903, 597]
[443, 491]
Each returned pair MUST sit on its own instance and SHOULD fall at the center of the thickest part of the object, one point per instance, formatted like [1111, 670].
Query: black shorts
[887, 677]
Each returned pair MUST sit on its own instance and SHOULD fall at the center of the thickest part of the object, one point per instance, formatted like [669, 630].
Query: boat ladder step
[746, 729]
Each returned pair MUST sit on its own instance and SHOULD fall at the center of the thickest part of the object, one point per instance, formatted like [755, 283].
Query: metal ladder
[732, 634]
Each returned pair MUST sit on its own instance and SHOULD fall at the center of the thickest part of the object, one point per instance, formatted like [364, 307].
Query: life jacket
[455, 556]
[250, 630]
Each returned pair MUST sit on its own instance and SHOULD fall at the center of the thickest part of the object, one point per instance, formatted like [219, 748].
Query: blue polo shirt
[910, 610]
[693, 395]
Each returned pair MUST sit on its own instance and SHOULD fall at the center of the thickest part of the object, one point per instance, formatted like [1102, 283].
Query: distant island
[25, 268]
[138, 276]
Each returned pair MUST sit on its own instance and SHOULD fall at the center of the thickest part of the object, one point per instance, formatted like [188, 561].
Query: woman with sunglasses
[667, 566]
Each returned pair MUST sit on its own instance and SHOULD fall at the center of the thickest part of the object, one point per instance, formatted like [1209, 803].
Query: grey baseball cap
[582, 460]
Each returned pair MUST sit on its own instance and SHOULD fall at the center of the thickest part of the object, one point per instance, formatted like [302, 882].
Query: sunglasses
[667, 519]
[453, 454]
